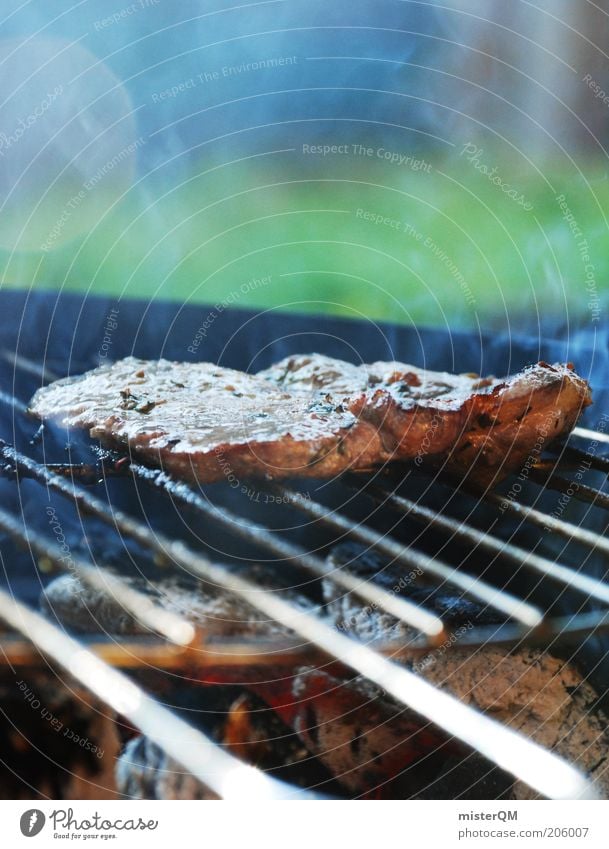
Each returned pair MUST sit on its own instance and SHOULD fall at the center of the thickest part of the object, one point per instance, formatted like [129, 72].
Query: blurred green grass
[454, 249]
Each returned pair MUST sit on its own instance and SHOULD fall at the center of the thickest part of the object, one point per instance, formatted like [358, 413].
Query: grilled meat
[314, 416]
[204, 422]
[489, 424]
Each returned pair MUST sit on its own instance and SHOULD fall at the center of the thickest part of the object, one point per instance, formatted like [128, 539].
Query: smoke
[175, 151]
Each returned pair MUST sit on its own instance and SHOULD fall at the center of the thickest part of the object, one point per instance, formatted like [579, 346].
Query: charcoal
[57, 741]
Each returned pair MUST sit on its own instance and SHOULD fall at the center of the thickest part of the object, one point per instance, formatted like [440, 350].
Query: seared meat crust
[314, 416]
[487, 425]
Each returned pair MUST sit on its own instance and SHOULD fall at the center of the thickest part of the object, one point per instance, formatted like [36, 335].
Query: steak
[466, 422]
[314, 416]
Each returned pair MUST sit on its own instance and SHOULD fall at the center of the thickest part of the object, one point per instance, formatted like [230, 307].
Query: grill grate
[180, 643]
[212, 765]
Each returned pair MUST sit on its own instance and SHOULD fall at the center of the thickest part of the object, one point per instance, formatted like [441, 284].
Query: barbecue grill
[531, 553]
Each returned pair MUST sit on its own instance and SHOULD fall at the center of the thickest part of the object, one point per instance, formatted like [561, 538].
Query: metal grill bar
[540, 769]
[592, 540]
[92, 473]
[576, 455]
[402, 609]
[513, 607]
[521, 556]
[537, 767]
[12, 402]
[28, 366]
[590, 435]
[580, 491]
[224, 774]
[141, 653]
[395, 551]
[141, 607]
[228, 653]
[507, 749]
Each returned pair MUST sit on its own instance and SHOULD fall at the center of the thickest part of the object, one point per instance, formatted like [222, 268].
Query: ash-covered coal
[372, 746]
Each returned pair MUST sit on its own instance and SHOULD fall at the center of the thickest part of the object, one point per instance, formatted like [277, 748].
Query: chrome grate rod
[506, 603]
[546, 773]
[402, 609]
[582, 492]
[540, 769]
[223, 773]
[152, 616]
[521, 556]
[590, 435]
[546, 521]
